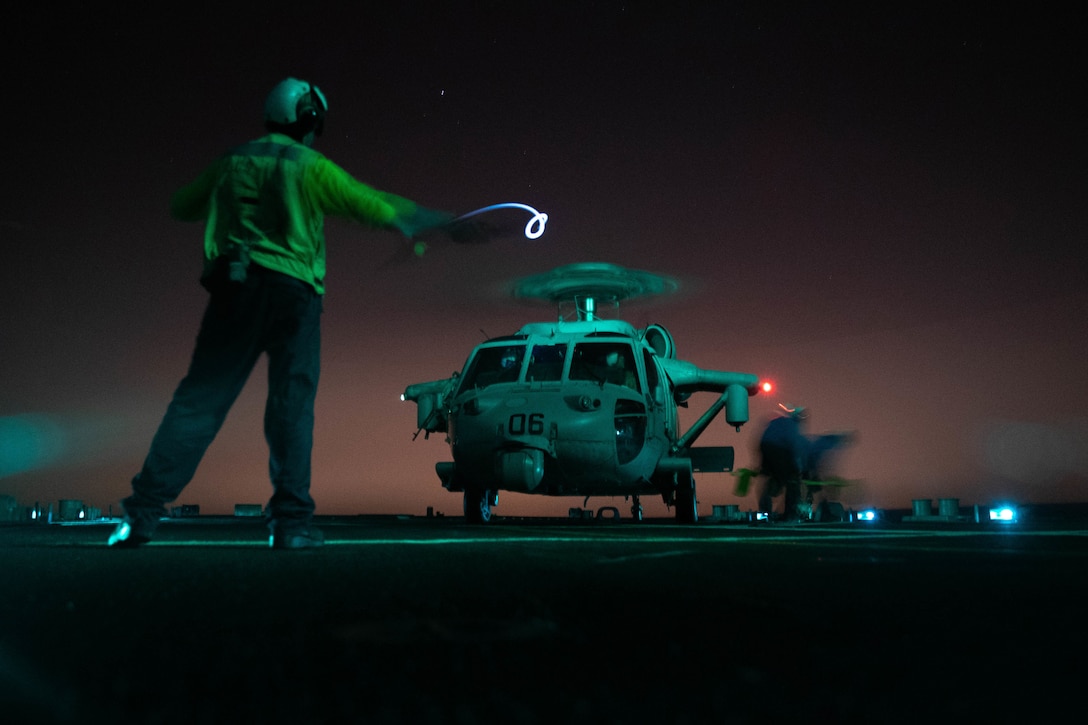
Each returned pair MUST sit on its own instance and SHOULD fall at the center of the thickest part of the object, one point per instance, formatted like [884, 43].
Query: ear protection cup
[307, 120]
[310, 111]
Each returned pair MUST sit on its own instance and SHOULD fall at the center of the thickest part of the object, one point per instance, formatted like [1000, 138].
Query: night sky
[881, 210]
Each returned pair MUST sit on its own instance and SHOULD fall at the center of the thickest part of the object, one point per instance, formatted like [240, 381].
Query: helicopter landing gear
[636, 508]
[687, 509]
[478, 503]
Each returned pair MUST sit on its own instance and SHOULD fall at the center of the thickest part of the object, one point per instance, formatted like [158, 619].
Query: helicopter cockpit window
[605, 362]
[546, 363]
[494, 365]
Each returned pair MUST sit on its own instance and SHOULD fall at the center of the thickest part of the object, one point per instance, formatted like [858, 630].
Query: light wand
[533, 229]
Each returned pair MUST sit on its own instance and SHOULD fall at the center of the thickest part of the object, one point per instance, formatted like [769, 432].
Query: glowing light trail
[533, 229]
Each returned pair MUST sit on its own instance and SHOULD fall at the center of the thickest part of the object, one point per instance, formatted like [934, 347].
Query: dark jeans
[780, 467]
[268, 313]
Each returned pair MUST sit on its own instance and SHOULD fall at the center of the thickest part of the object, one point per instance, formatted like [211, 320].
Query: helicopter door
[614, 363]
[656, 390]
[658, 397]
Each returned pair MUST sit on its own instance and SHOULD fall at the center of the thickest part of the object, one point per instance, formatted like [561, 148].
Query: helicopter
[579, 407]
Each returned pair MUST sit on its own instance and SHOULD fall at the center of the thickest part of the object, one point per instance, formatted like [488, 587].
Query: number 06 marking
[521, 424]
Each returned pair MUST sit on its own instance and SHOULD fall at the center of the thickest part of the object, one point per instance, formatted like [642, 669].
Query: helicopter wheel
[477, 506]
[687, 509]
[636, 509]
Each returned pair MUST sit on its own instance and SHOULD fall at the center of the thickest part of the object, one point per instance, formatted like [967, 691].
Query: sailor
[263, 205]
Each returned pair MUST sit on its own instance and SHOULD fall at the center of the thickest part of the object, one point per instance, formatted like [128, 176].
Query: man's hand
[473, 231]
[421, 222]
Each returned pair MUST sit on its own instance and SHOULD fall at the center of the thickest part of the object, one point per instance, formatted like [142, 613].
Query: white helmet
[296, 104]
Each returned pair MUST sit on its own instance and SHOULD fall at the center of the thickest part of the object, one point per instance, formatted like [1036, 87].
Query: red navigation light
[765, 386]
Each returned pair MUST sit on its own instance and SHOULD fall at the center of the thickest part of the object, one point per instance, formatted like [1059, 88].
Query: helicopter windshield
[546, 363]
[493, 365]
[605, 362]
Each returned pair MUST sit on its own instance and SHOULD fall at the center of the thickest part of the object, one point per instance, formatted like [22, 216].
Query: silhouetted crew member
[820, 456]
[264, 204]
[783, 451]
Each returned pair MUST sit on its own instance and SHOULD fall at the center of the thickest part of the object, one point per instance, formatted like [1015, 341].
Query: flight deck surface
[413, 619]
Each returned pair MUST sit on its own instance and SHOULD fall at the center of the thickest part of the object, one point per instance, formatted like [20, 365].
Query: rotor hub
[586, 284]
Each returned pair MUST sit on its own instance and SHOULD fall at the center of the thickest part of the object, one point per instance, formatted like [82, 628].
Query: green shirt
[271, 195]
